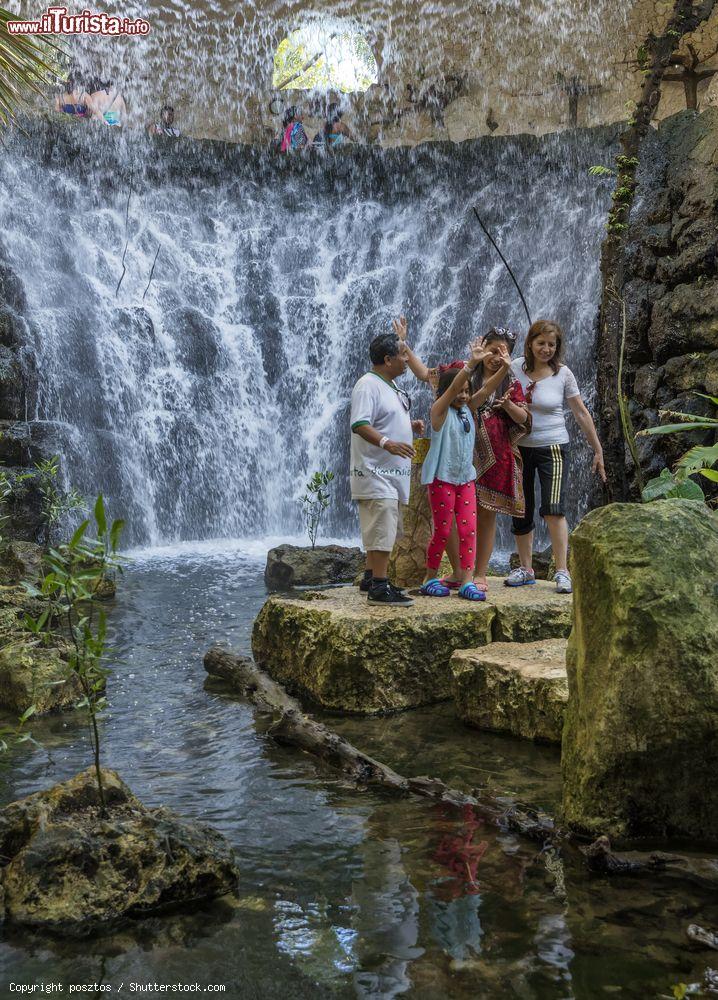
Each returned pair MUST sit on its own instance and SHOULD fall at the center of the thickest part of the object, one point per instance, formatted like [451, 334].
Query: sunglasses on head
[465, 422]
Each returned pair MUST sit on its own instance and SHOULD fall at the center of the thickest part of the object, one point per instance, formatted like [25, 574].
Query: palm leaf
[700, 457]
[28, 63]
[696, 424]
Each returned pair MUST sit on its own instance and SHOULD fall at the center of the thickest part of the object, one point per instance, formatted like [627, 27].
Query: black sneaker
[385, 593]
[365, 585]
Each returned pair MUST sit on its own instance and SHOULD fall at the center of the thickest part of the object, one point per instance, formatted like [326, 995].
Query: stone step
[349, 656]
[515, 688]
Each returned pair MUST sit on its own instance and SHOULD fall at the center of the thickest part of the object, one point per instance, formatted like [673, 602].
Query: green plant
[699, 460]
[76, 571]
[10, 735]
[600, 171]
[315, 501]
[56, 502]
[9, 487]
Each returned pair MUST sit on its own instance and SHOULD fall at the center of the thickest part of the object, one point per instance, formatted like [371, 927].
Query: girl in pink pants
[449, 473]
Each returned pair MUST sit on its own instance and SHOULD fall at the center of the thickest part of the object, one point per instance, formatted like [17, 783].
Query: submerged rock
[69, 871]
[640, 743]
[351, 656]
[516, 688]
[300, 566]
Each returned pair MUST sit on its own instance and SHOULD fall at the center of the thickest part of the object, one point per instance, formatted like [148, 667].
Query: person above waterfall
[108, 104]
[335, 132]
[381, 452]
[548, 384]
[294, 138]
[166, 124]
[448, 470]
[74, 100]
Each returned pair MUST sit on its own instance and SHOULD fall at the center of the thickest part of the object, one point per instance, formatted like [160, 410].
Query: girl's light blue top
[451, 452]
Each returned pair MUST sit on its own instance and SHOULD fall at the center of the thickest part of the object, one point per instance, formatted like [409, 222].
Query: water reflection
[342, 894]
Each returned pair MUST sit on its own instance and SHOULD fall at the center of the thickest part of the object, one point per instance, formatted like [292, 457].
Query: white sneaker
[520, 577]
[563, 582]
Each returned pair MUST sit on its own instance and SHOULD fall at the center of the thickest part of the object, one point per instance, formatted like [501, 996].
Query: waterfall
[199, 401]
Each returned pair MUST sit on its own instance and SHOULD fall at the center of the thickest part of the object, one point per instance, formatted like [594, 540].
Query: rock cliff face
[640, 742]
[672, 295]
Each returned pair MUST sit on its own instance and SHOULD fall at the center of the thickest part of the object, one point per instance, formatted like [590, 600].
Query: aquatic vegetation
[72, 588]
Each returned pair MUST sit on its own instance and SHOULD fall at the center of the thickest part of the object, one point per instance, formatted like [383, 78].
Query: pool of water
[343, 893]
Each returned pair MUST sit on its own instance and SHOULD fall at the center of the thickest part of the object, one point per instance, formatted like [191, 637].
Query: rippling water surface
[342, 893]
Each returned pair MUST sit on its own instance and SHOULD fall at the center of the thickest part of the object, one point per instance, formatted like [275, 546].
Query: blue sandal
[434, 588]
[470, 592]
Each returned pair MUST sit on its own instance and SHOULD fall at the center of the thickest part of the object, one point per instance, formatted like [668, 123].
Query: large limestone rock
[350, 656]
[516, 688]
[301, 566]
[640, 744]
[69, 871]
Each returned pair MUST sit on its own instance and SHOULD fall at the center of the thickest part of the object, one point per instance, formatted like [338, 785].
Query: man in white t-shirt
[381, 453]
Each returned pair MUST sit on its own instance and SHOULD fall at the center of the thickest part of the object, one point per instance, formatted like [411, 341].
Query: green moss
[640, 743]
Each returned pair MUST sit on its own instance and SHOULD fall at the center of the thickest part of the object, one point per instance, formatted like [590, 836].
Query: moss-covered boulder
[68, 870]
[20, 561]
[515, 688]
[32, 672]
[640, 743]
[351, 656]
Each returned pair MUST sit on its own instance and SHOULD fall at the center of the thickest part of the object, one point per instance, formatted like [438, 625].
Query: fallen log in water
[291, 726]
[602, 860]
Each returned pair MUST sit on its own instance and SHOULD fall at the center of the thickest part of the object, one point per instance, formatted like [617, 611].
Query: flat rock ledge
[68, 871]
[515, 688]
[346, 655]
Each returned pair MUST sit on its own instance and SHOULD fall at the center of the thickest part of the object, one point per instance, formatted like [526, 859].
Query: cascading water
[197, 397]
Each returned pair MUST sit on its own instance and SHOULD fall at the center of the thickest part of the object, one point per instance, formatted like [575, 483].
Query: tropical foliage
[700, 460]
[28, 63]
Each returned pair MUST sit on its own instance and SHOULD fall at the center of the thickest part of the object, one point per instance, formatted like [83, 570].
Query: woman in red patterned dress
[501, 421]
